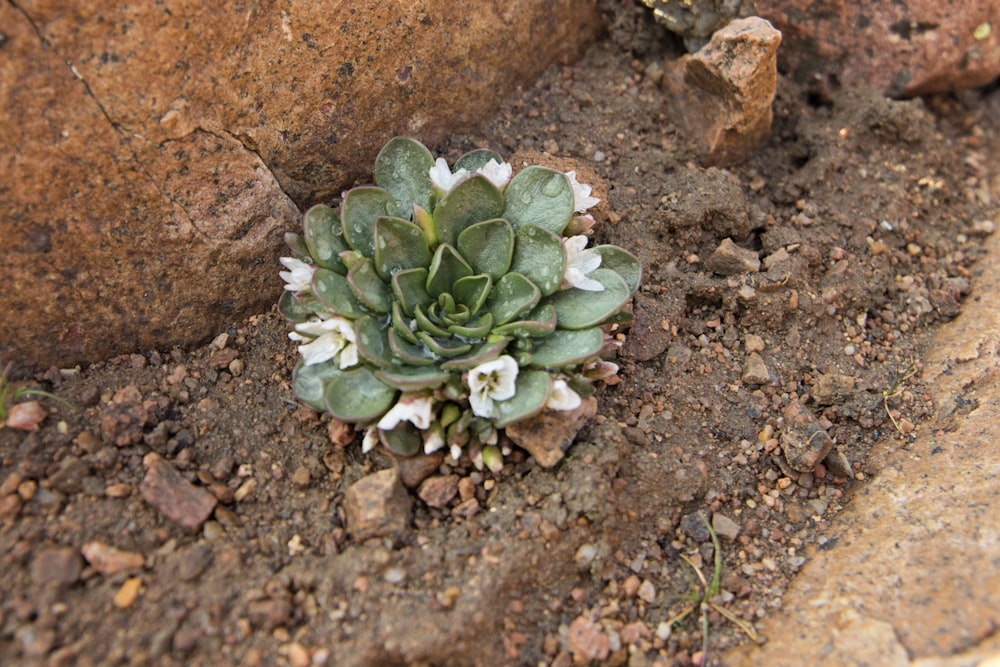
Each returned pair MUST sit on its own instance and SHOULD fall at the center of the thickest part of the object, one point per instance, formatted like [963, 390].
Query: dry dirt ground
[869, 216]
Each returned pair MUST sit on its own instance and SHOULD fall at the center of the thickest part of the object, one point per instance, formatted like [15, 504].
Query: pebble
[193, 561]
[110, 561]
[26, 416]
[173, 496]
[585, 555]
[755, 370]
[695, 528]
[724, 526]
[128, 593]
[729, 260]
[438, 491]
[377, 506]
[10, 505]
[804, 441]
[586, 640]
[647, 591]
[753, 343]
[269, 613]
[301, 477]
[59, 566]
[549, 435]
[415, 469]
[68, 477]
[10, 483]
[832, 388]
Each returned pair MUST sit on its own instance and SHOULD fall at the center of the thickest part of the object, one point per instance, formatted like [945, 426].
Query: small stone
[586, 640]
[755, 370]
[694, 527]
[377, 506]
[438, 491]
[301, 477]
[729, 259]
[724, 526]
[269, 613]
[803, 440]
[647, 591]
[109, 561]
[173, 496]
[59, 566]
[631, 586]
[838, 464]
[585, 555]
[298, 655]
[10, 505]
[340, 433]
[118, 490]
[10, 483]
[753, 343]
[832, 388]
[26, 416]
[549, 435]
[415, 469]
[68, 477]
[193, 561]
[128, 593]
[223, 358]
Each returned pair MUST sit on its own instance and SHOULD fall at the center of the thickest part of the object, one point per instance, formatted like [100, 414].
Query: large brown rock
[152, 155]
[900, 48]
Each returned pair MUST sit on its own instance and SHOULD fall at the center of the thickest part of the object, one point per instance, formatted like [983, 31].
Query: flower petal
[497, 174]
[581, 194]
[414, 408]
[321, 349]
[563, 397]
[299, 276]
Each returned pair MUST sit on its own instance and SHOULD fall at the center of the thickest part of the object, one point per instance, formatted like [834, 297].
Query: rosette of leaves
[442, 304]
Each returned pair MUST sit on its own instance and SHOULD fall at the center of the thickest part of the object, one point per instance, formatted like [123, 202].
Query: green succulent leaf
[539, 322]
[512, 295]
[399, 245]
[373, 342]
[473, 200]
[443, 347]
[332, 290]
[447, 266]
[475, 160]
[309, 382]
[539, 257]
[539, 196]
[297, 245]
[365, 283]
[292, 308]
[580, 309]
[410, 289]
[401, 168]
[357, 395]
[404, 440]
[426, 324]
[567, 348]
[413, 379]
[324, 237]
[531, 391]
[479, 355]
[488, 246]
[409, 352]
[361, 207]
[622, 262]
[471, 291]
[478, 328]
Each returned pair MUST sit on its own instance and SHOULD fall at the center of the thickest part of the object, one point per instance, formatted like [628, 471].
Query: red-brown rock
[173, 496]
[151, 159]
[900, 48]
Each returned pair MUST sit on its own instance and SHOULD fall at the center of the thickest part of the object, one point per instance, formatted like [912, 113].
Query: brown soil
[868, 214]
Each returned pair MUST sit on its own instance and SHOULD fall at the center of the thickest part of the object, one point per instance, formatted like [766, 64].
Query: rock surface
[549, 435]
[721, 95]
[902, 49]
[377, 506]
[153, 158]
[173, 496]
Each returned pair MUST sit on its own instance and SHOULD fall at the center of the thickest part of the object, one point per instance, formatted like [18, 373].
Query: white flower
[442, 180]
[580, 262]
[497, 174]
[369, 441]
[414, 408]
[563, 397]
[299, 275]
[581, 194]
[491, 381]
[433, 441]
[327, 338]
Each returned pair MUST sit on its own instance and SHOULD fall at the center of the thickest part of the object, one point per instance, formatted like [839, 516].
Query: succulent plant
[445, 303]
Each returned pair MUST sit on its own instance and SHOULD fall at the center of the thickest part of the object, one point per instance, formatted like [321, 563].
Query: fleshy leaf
[309, 382]
[567, 348]
[297, 245]
[443, 347]
[361, 207]
[473, 200]
[539, 322]
[475, 160]
[478, 328]
[410, 352]
[512, 295]
[357, 395]
[412, 379]
[410, 289]
[580, 309]
[365, 283]
[372, 342]
[292, 308]
[424, 323]
[401, 324]
[479, 355]
[539, 196]
[488, 246]
[404, 440]
[399, 245]
[332, 290]
[539, 257]
[447, 266]
[471, 291]
[529, 398]
[401, 169]
[622, 262]
[325, 238]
